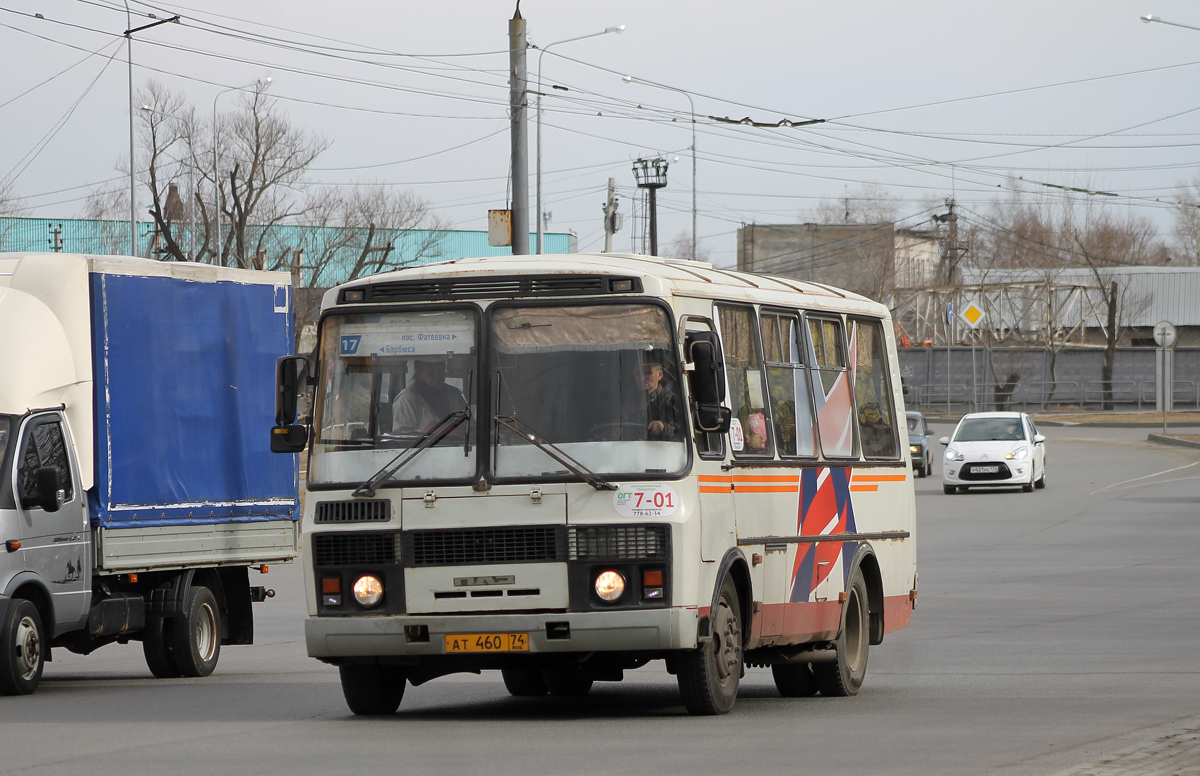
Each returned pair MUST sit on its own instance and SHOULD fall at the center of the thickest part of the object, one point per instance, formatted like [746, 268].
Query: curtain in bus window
[872, 394]
[831, 387]
[744, 373]
[787, 384]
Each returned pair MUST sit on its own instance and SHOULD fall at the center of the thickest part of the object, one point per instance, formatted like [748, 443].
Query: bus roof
[660, 276]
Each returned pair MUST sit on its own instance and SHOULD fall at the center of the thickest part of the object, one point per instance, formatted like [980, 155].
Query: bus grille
[471, 546]
[617, 542]
[358, 511]
[355, 549]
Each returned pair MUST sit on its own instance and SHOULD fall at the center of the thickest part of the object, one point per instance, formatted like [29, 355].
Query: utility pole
[952, 244]
[610, 215]
[518, 99]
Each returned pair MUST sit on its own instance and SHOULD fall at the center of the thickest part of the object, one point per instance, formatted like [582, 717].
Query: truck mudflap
[331, 638]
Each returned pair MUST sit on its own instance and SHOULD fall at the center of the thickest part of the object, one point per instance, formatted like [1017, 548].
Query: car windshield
[914, 425]
[388, 379]
[990, 430]
[600, 382]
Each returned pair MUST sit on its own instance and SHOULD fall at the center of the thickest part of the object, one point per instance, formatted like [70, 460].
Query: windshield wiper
[527, 434]
[427, 440]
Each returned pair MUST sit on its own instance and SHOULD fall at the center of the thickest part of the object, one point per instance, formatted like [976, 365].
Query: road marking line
[1148, 476]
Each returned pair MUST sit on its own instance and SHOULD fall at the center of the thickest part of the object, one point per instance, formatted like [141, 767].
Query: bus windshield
[391, 382]
[600, 382]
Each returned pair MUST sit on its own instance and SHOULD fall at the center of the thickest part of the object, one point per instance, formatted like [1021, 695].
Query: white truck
[136, 491]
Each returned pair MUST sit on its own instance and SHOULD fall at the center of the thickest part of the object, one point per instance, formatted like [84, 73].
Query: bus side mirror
[286, 436]
[706, 379]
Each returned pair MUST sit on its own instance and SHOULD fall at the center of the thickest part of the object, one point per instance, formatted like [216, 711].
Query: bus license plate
[487, 642]
[986, 469]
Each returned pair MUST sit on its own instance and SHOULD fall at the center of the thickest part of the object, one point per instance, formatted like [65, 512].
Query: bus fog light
[610, 585]
[653, 592]
[368, 590]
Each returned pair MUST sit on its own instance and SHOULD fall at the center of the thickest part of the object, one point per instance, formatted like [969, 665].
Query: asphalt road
[1056, 630]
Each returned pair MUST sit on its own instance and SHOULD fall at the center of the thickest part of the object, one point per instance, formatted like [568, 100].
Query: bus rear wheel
[709, 676]
[845, 676]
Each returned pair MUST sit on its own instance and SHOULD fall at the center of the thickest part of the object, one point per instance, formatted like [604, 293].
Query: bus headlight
[610, 585]
[368, 590]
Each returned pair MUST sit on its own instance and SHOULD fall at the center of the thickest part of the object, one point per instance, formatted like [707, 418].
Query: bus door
[714, 483]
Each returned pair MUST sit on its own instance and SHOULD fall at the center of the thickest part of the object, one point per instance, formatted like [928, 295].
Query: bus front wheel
[372, 689]
[709, 676]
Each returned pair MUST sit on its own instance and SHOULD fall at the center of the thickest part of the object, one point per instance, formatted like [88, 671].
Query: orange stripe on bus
[766, 478]
[714, 478]
[767, 489]
[864, 487]
[879, 477]
[715, 489]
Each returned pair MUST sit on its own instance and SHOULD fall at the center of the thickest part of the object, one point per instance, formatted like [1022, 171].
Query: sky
[928, 100]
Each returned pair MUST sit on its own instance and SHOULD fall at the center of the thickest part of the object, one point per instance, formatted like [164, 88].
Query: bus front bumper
[365, 636]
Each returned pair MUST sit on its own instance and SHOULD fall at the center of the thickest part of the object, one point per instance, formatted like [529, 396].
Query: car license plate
[986, 469]
[487, 642]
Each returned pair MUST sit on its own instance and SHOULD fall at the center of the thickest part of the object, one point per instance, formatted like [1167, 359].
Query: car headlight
[610, 585]
[1018, 454]
[368, 590]
[914, 449]
[953, 455]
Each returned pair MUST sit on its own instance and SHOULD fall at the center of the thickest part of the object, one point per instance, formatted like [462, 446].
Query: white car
[994, 448]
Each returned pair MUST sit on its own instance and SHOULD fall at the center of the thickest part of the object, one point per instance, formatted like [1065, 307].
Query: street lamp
[633, 80]
[216, 173]
[1159, 20]
[618, 30]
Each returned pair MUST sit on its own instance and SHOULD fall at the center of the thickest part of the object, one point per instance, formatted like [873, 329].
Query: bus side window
[831, 387]
[872, 392]
[750, 434]
[787, 384]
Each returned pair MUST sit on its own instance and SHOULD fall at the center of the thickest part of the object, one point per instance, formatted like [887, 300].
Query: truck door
[55, 545]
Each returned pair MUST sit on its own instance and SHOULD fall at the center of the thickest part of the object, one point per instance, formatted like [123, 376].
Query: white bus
[565, 467]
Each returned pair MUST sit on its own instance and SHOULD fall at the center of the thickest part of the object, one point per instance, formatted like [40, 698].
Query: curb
[1170, 440]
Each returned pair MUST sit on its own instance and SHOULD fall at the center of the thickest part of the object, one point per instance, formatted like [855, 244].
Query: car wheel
[1040, 482]
[949, 490]
[1028, 486]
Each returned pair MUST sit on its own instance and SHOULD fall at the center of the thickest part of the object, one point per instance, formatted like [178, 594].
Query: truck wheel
[567, 682]
[22, 650]
[845, 676]
[524, 682]
[794, 680]
[155, 641]
[194, 638]
[372, 689]
[708, 676]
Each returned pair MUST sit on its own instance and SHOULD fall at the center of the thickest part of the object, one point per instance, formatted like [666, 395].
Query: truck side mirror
[48, 484]
[290, 373]
[706, 379]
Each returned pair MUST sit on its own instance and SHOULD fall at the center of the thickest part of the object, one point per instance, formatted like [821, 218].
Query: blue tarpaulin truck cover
[184, 387]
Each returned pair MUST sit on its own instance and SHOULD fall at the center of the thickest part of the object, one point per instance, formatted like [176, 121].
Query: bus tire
[794, 680]
[372, 690]
[844, 676]
[155, 641]
[23, 650]
[708, 676]
[194, 638]
[567, 682]
[524, 682]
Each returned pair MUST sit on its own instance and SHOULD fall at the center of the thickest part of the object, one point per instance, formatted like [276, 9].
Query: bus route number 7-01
[657, 500]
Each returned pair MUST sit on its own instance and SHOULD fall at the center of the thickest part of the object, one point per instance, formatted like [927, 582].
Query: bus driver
[426, 399]
[662, 410]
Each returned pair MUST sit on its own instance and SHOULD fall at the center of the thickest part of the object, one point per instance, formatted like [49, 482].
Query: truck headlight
[610, 585]
[368, 590]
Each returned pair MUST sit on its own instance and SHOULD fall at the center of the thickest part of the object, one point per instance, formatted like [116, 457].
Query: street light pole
[540, 230]
[692, 106]
[130, 29]
[216, 174]
[1148, 18]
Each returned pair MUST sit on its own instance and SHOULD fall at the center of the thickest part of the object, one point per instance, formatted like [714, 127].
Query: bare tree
[685, 247]
[10, 203]
[1186, 234]
[168, 131]
[869, 203]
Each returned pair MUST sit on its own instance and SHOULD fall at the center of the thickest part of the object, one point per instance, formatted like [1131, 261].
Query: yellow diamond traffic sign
[972, 314]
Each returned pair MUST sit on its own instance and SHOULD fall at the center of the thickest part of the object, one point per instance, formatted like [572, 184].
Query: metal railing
[1040, 392]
